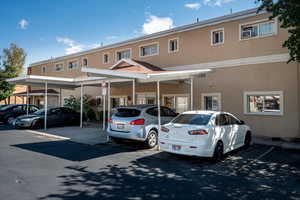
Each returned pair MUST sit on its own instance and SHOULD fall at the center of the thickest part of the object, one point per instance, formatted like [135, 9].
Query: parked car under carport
[55, 117]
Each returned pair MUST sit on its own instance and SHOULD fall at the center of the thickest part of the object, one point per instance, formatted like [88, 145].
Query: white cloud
[73, 47]
[195, 6]
[216, 2]
[155, 24]
[23, 23]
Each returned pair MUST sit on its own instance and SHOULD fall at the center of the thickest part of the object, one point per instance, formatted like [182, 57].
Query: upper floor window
[105, 58]
[29, 70]
[124, 54]
[59, 67]
[44, 69]
[217, 36]
[73, 64]
[258, 30]
[263, 102]
[173, 45]
[84, 62]
[149, 50]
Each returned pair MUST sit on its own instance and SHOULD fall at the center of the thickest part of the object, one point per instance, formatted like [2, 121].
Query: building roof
[197, 25]
[131, 65]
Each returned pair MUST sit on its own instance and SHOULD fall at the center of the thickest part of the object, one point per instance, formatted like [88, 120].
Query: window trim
[177, 38]
[212, 38]
[261, 21]
[63, 66]
[218, 94]
[75, 60]
[119, 96]
[86, 62]
[120, 50]
[177, 95]
[103, 60]
[148, 44]
[263, 93]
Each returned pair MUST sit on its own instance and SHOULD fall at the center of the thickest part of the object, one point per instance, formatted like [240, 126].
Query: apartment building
[249, 74]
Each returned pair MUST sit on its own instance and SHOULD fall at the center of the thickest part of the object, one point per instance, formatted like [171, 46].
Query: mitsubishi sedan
[205, 134]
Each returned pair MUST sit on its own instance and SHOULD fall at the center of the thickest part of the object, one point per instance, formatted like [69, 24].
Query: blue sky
[51, 28]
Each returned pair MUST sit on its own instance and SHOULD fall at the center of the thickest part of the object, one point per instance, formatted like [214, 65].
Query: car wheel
[218, 152]
[152, 139]
[36, 124]
[248, 139]
[10, 120]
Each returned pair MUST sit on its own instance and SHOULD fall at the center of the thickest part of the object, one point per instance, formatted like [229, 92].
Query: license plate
[120, 126]
[176, 147]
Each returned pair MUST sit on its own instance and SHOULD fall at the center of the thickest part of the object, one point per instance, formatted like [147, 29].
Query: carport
[55, 82]
[142, 73]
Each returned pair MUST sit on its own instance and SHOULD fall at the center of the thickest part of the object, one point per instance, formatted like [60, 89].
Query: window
[217, 36]
[98, 100]
[221, 120]
[152, 111]
[146, 98]
[265, 103]
[193, 119]
[123, 54]
[118, 101]
[173, 45]
[211, 101]
[105, 58]
[258, 30]
[84, 62]
[167, 112]
[149, 50]
[73, 64]
[29, 70]
[127, 112]
[59, 67]
[178, 102]
[44, 69]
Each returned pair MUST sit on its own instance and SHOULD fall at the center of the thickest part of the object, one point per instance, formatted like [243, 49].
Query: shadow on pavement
[68, 150]
[164, 176]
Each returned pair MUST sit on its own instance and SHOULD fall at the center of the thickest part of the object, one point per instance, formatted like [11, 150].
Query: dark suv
[9, 112]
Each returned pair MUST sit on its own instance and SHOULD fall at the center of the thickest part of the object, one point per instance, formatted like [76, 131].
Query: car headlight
[27, 119]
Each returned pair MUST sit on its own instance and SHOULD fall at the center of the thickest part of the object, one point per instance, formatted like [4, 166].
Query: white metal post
[108, 101]
[27, 94]
[133, 91]
[60, 103]
[104, 108]
[33, 100]
[158, 111]
[192, 93]
[46, 105]
[81, 105]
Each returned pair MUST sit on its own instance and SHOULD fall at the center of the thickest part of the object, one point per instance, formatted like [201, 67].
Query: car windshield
[194, 119]
[126, 112]
[41, 112]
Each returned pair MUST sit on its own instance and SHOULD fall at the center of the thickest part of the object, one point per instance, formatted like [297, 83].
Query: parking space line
[262, 155]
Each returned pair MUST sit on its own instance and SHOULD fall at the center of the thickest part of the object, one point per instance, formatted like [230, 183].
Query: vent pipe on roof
[197, 19]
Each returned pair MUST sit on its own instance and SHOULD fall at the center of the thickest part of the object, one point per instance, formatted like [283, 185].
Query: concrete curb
[281, 144]
[47, 135]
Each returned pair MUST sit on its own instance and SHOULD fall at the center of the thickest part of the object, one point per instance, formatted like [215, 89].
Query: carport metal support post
[158, 112]
[81, 105]
[27, 100]
[133, 91]
[108, 106]
[192, 93]
[104, 107]
[46, 105]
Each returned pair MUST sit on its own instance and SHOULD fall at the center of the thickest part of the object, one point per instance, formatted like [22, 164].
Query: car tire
[152, 139]
[9, 120]
[248, 139]
[36, 124]
[218, 152]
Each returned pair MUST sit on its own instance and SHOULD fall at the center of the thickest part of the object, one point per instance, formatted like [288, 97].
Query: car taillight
[198, 132]
[110, 120]
[164, 129]
[137, 122]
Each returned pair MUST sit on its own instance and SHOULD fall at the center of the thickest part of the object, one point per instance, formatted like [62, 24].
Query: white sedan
[204, 133]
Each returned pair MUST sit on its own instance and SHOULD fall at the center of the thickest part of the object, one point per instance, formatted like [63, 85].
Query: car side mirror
[241, 122]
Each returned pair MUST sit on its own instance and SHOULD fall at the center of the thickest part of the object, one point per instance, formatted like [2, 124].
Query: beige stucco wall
[194, 47]
[233, 82]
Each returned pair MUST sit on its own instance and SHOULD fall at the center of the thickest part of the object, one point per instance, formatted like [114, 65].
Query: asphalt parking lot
[37, 167]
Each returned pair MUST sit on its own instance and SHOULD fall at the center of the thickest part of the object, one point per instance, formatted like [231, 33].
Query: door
[167, 115]
[211, 101]
[237, 130]
[223, 131]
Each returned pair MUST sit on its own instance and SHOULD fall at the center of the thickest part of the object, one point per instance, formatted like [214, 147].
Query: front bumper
[189, 149]
[23, 124]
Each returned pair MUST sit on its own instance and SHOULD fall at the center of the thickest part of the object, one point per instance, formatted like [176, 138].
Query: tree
[13, 60]
[288, 14]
